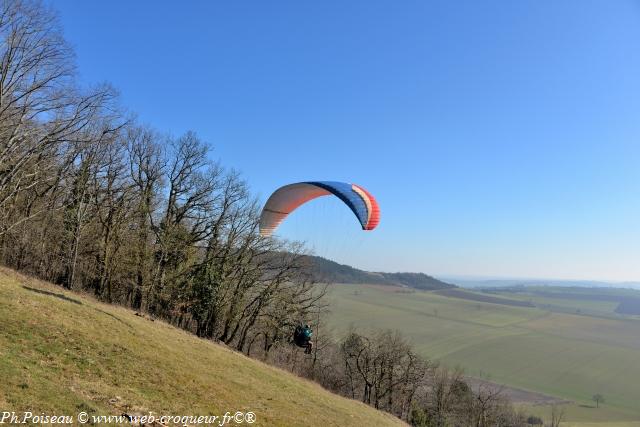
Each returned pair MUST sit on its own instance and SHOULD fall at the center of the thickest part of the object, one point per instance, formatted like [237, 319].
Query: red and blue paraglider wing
[288, 198]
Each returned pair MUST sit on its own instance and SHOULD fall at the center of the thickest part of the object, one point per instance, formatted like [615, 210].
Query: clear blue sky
[500, 138]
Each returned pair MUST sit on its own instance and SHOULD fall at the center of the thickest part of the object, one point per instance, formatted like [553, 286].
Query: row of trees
[93, 201]
[383, 370]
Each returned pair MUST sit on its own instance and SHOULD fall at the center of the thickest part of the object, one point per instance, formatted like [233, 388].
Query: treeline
[383, 370]
[94, 201]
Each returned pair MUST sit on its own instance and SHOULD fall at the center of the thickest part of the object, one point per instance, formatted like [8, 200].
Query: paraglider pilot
[302, 338]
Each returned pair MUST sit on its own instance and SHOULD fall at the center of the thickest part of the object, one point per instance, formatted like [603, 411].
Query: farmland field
[541, 349]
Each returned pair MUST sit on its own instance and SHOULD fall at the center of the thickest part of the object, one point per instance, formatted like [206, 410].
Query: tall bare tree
[41, 108]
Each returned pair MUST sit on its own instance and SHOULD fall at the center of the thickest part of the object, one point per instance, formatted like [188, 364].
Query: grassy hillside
[564, 355]
[63, 353]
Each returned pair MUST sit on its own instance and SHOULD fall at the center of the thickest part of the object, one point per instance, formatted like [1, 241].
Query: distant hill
[330, 271]
[487, 283]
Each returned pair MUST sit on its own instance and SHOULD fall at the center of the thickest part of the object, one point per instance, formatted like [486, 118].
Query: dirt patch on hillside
[515, 395]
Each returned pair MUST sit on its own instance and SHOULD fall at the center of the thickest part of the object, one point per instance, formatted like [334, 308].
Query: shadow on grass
[66, 298]
[115, 317]
[52, 294]
[588, 406]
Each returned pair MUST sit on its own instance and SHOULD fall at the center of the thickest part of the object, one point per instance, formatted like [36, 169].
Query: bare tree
[557, 415]
[598, 398]
[113, 199]
[487, 401]
[41, 109]
[446, 391]
[185, 221]
[383, 371]
[146, 169]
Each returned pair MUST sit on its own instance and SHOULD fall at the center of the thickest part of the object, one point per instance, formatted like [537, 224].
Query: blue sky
[500, 138]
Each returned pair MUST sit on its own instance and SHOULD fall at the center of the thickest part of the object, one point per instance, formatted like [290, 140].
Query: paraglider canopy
[288, 198]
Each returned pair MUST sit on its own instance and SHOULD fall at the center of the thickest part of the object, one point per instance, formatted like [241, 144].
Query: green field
[564, 355]
[62, 353]
[558, 299]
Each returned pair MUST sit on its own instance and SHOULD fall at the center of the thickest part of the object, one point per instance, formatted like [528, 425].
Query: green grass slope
[64, 353]
[563, 355]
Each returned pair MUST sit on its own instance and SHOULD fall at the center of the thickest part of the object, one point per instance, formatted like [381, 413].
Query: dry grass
[62, 352]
